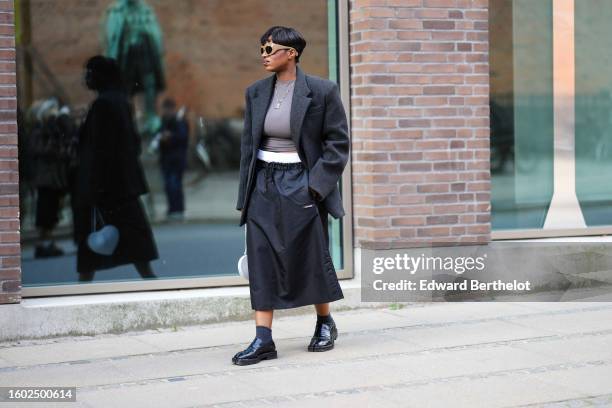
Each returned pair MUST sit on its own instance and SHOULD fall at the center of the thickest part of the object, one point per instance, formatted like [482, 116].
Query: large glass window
[521, 70]
[593, 44]
[551, 144]
[191, 59]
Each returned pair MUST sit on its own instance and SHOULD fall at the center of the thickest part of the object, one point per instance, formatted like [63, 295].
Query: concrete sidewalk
[423, 355]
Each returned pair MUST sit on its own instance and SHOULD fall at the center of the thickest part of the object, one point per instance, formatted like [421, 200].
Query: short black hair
[105, 72]
[285, 36]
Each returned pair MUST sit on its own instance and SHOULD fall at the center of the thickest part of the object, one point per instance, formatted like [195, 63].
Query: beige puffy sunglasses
[270, 48]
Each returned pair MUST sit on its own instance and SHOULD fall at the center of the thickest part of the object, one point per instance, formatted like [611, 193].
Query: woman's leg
[263, 325]
[144, 269]
[86, 276]
[322, 309]
[264, 318]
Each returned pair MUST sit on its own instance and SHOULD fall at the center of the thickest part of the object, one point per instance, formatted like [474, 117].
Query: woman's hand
[315, 194]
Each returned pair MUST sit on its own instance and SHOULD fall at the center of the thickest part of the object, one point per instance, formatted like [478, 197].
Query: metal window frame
[225, 281]
[549, 233]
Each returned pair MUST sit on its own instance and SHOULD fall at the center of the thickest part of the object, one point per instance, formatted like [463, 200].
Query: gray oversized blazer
[318, 127]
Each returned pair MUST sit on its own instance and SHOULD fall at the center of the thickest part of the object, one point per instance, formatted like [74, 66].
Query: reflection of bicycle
[527, 161]
[502, 159]
[200, 148]
[502, 137]
[218, 143]
[603, 148]
[593, 126]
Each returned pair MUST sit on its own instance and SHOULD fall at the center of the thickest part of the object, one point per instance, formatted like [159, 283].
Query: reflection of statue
[132, 36]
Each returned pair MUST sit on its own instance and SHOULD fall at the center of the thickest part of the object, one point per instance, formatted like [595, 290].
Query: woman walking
[110, 177]
[294, 149]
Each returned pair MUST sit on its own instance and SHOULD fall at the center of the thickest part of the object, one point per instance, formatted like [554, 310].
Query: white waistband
[279, 157]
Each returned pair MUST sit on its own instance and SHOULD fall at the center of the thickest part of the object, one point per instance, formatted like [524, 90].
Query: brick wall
[420, 122]
[10, 273]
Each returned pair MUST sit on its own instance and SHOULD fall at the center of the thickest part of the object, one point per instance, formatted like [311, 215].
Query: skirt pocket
[298, 205]
[293, 185]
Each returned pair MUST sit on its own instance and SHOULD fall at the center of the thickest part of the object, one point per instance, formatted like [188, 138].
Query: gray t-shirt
[277, 131]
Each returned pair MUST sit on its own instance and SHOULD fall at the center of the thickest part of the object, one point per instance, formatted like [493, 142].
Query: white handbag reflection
[243, 265]
[105, 240]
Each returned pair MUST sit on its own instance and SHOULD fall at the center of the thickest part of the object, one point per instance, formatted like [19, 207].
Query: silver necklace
[279, 101]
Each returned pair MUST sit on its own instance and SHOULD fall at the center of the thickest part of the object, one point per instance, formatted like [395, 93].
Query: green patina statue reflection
[133, 37]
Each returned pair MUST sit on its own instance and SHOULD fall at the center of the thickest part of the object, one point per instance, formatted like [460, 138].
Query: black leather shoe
[324, 336]
[256, 352]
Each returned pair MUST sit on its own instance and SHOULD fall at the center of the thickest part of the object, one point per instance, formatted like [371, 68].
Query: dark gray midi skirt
[287, 241]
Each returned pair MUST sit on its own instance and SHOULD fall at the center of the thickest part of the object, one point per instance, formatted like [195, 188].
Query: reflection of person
[110, 176]
[51, 137]
[294, 149]
[173, 156]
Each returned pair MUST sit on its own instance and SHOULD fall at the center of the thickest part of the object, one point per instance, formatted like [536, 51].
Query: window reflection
[593, 104]
[521, 112]
[185, 66]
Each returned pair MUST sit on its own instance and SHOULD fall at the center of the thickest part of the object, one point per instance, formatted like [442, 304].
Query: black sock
[324, 319]
[263, 333]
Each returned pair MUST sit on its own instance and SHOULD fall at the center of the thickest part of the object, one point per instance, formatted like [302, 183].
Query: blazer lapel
[261, 101]
[299, 105]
